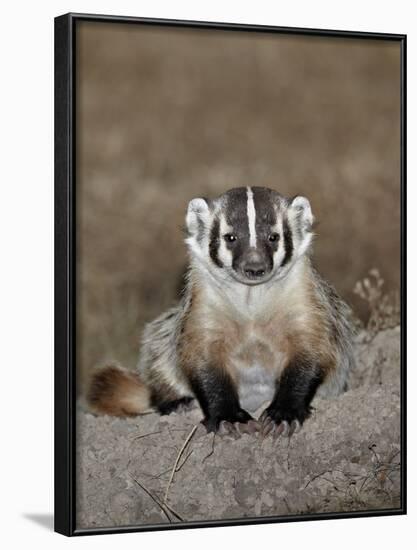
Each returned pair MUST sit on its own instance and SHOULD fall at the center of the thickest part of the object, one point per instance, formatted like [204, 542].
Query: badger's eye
[230, 238]
[273, 237]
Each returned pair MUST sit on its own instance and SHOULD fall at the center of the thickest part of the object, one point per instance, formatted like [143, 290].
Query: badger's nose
[254, 270]
[254, 265]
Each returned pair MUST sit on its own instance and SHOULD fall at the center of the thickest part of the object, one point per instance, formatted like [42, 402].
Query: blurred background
[168, 114]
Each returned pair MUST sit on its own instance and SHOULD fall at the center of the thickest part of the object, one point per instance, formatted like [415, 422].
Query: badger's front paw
[279, 421]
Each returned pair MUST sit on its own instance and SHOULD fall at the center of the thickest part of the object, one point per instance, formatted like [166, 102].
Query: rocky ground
[153, 470]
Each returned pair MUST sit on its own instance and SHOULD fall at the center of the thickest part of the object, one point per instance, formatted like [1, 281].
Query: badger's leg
[294, 392]
[217, 396]
[165, 396]
[176, 405]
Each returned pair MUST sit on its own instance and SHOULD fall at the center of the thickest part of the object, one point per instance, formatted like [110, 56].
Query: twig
[158, 502]
[144, 435]
[212, 449]
[153, 497]
[315, 477]
[173, 512]
[184, 461]
[365, 481]
[190, 435]
[158, 476]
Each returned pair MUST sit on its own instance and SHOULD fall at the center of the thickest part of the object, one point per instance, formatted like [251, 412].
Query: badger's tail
[117, 391]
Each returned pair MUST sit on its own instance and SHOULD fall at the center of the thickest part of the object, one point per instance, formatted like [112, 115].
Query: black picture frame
[66, 283]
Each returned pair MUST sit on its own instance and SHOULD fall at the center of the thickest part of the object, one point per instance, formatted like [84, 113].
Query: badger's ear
[198, 214]
[300, 211]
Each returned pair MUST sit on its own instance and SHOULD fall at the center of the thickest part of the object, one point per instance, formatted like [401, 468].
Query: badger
[256, 326]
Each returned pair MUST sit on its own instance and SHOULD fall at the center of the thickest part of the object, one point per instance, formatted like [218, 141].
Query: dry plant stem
[315, 477]
[153, 497]
[212, 448]
[140, 436]
[173, 512]
[171, 477]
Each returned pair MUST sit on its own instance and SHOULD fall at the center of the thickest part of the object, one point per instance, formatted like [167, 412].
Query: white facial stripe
[224, 253]
[251, 218]
[277, 228]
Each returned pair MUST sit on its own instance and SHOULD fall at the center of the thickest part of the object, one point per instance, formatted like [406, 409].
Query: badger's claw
[230, 423]
[227, 428]
[295, 427]
[250, 427]
[267, 426]
[263, 416]
[237, 429]
[277, 428]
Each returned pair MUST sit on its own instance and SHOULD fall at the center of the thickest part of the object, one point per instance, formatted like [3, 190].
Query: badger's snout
[254, 266]
[254, 270]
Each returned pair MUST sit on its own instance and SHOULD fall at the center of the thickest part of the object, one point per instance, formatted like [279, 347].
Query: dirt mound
[346, 457]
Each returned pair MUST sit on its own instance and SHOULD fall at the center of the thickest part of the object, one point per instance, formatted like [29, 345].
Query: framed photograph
[230, 274]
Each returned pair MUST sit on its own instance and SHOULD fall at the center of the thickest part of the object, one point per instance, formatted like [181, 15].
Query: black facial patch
[215, 243]
[288, 242]
[236, 214]
[266, 201]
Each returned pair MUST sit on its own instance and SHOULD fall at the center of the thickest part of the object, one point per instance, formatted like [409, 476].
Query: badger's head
[251, 234]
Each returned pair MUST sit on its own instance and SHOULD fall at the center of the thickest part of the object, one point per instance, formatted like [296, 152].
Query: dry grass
[384, 307]
[164, 116]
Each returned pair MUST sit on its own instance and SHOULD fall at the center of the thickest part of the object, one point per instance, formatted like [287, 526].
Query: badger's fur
[256, 324]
